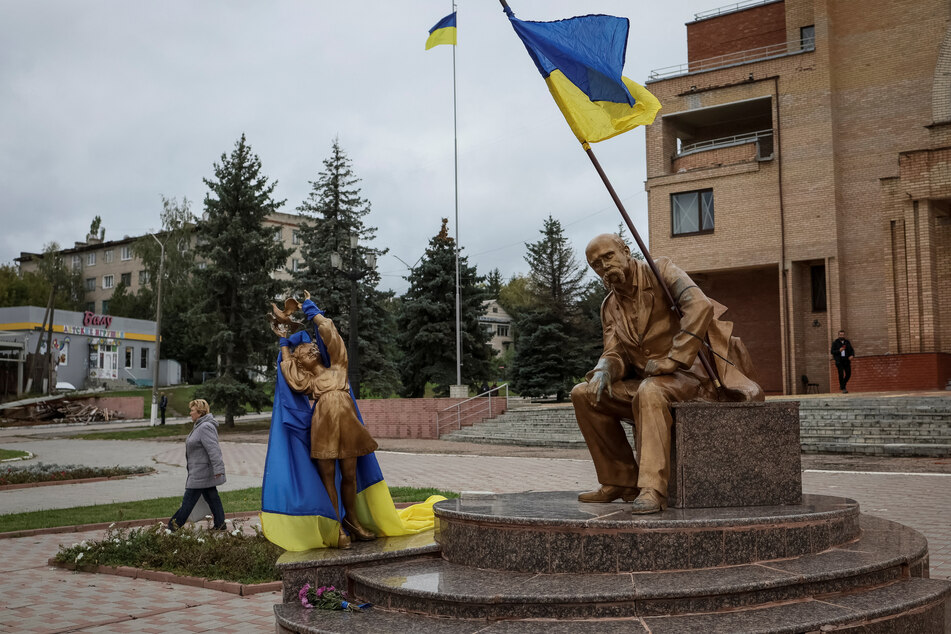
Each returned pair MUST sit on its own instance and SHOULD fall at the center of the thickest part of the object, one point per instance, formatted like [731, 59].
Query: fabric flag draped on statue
[581, 59]
[443, 33]
[296, 511]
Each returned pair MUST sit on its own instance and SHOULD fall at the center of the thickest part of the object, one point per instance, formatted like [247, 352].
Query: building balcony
[792, 47]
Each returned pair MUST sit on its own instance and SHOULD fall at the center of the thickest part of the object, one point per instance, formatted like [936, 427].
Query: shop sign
[92, 319]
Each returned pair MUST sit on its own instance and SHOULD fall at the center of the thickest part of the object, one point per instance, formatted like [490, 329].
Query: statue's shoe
[343, 541]
[609, 493]
[649, 501]
[357, 531]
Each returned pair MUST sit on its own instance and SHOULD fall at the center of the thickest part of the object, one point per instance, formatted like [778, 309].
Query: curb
[240, 589]
[30, 485]
[81, 528]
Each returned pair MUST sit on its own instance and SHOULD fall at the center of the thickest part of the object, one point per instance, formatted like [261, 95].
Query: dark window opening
[818, 273]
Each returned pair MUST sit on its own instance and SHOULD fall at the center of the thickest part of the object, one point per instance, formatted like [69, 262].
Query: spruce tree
[549, 356]
[237, 285]
[334, 214]
[427, 322]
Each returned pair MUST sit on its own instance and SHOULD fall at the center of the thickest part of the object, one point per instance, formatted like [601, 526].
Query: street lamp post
[355, 273]
[158, 332]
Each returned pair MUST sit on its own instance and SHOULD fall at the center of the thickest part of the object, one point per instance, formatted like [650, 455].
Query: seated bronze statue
[650, 360]
[319, 369]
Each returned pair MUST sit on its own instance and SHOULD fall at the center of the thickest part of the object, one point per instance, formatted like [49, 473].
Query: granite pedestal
[735, 454]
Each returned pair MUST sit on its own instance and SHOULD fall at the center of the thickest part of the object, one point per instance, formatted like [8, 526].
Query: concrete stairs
[875, 425]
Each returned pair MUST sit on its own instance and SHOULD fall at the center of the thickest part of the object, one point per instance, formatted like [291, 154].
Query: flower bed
[231, 555]
[55, 473]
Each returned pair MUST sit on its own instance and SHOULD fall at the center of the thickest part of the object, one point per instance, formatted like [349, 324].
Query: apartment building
[104, 264]
[800, 171]
[498, 324]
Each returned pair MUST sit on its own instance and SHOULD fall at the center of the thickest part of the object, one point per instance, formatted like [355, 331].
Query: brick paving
[37, 598]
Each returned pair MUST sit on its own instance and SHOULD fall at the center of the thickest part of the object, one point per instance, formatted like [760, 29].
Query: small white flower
[84, 544]
[79, 556]
[168, 531]
[201, 540]
[236, 532]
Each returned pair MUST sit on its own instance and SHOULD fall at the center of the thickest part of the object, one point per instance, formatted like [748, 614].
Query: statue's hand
[655, 367]
[598, 383]
[310, 309]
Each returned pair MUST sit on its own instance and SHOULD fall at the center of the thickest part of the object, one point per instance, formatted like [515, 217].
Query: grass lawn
[9, 454]
[234, 502]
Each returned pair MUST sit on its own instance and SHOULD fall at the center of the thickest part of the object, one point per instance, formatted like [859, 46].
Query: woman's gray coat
[203, 455]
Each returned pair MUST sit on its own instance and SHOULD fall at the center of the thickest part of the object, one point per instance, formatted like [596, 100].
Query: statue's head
[307, 357]
[610, 258]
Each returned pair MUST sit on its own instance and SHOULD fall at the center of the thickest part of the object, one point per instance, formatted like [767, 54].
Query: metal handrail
[732, 59]
[726, 141]
[730, 8]
[486, 405]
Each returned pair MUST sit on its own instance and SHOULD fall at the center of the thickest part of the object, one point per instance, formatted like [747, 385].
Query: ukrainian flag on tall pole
[445, 33]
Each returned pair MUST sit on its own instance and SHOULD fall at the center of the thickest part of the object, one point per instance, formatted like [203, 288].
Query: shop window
[126, 279]
[144, 358]
[107, 256]
[126, 253]
[77, 262]
[90, 283]
[128, 356]
[91, 259]
[108, 281]
[818, 274]
[691, 212]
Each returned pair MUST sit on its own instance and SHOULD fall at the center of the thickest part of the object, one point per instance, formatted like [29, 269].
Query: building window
[143, 277]
[144, 358]
[277, 234]
[692, 212]
[108, 281]
[77, 262]
[202, 265]
[296, 265]
[295, 237]
[90, 283]
[807, 34]
[495, 309]
[125, 253]
[818, 273]
[126, 279]
[91, 259]
[91, 306]
[107, 255]
[128, 356]
[105, 307]
[502, 331]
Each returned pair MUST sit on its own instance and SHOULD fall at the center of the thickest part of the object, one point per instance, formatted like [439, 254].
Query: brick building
[800, 171]
[104, 264]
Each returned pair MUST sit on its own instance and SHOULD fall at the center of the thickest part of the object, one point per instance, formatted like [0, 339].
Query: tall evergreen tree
[427, 321]
[548, 354]
[237, 284]
[334, 214]
[494, 283]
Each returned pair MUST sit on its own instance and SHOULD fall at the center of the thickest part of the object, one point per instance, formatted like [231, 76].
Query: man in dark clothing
[163, 403]
[842, 353]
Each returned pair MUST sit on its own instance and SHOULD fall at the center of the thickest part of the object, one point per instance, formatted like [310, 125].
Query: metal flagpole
[455, 151]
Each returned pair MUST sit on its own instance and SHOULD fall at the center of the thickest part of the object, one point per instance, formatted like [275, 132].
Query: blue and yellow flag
[581, 59]
[443, 33]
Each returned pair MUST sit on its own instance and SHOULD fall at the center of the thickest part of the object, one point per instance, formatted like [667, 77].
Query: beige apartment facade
[800, 171]
[104, 264]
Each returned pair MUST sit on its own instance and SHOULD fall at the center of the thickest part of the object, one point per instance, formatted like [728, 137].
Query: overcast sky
[105, 106]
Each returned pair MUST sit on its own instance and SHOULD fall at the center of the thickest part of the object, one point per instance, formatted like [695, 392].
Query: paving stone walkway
[37, 598]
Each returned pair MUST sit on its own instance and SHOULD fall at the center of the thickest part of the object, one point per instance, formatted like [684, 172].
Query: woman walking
[206, 469]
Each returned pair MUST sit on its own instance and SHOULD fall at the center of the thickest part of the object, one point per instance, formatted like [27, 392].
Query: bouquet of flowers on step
[327, 598]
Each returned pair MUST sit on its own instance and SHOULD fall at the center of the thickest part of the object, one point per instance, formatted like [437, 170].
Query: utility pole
[158, 331]
[355, 273]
